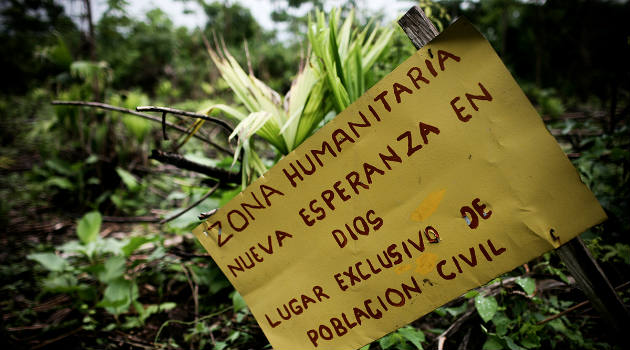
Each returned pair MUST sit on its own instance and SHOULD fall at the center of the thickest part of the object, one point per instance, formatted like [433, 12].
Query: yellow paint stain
[402, 268]
[425, 263]
[428, 206]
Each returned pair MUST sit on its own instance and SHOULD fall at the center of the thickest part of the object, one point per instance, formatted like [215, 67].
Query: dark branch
[203, 198]
[454, 327]
[164, 126]
[130, 219]
[141, 115]
[179, 161]
[577, 306]
[164, 110]
[187, 256]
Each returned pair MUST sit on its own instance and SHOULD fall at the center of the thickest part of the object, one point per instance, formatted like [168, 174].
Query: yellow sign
[439, 178]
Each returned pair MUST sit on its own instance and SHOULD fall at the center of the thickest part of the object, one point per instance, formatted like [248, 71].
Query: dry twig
[194, 288]
[454, 327]
[141, 115]
[575, 307]
[179, 161]
[56, 339]
[130, 219]
[203, 198]
[488, 290]
[229, 128]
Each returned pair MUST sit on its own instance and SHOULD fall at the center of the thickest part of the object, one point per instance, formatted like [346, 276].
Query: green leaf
[119, 295]
[145, 312]
[220, 345]
[335, 49]
[135, 243]
[511, 344]
[64, 283]
[72, 247]
[238, 302]
[60, 182]
[110, 327]
[413, 335]
[501, 323]
[59, 53]
[471, 294]
[531, 341]
[527, 283]
[493, 343]
[114, 268]
[91, 159]
[93, 181]
[109, 245]
[166, 306]
[128, 179]
[387, 341]
[89, 226]
[59, 166]
[486, 307]
[455, 311]
[233, 336]
[50, 261]
[132, 322]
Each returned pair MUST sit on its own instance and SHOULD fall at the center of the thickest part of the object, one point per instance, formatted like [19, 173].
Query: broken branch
[141, 115]
[454, 327]
[130, 219]
[179, 161]
[165, 110]
[203, 198]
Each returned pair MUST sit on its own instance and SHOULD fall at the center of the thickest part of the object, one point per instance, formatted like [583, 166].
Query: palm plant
[274, 118]
[331, 77]
[346, 54]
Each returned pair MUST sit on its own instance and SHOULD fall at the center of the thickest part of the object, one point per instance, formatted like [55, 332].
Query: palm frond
[330, 78]
[345, 55]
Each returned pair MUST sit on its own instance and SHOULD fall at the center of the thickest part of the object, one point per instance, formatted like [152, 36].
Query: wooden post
[593, 282]
[587, 273]
[418, 27]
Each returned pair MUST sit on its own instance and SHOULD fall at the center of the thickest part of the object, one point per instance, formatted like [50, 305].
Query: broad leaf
[129, 180]
[238, 302]
[135, 243]
[114, 268]
[388, 341]
[471, 294]
[119, 295]
[486, 307]
[60, 182]
[89, 226]
[60, 283]
[59, 166]
[413, 335]
[493, 343]
[50, 261]
[511, 344]
[527, 283]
